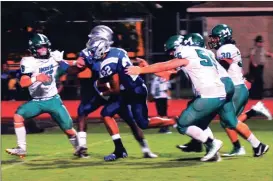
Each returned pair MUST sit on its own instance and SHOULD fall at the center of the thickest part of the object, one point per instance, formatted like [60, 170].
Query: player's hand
[133, 70]
[43, 78]
[164, 75]
[142, 62]
[57, 55]
[80, 63]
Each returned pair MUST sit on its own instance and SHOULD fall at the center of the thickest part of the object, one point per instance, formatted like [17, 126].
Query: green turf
[50, 158]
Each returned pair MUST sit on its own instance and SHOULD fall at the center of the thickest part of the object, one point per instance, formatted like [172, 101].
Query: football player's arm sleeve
[164, 66]
[26, 72]
[70, 66]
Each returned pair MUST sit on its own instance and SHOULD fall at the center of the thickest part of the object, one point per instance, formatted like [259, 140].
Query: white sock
[82, 138]
[74, 142]
[209, 133]
[253, 141]
[145, 148]
[21, 137]
[115, 137]
[197, 133]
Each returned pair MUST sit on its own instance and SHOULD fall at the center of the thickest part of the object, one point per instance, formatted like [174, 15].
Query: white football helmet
[102, 31]
[98, 46]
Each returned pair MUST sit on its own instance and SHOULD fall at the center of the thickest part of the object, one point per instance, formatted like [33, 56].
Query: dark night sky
[17, 15]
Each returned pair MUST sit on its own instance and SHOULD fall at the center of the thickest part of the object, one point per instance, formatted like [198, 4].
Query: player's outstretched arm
[73, 66]
[165, 75]
[157, 67]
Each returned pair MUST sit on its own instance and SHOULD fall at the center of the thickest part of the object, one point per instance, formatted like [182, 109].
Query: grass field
[50, 158]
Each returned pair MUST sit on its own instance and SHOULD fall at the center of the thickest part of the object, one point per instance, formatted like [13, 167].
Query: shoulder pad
[227, 51]
[26, 64]
[27, 59]
[117, 52]
[184, 51]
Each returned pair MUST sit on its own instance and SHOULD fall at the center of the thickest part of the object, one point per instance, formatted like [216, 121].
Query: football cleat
[81, 152]
[149, 155]
[192, 146]
[217, 157]
[114, 156]
[260, 108]
[260, 150]
[235, 152]
[216, 146]
[17, 151]
[165, 130]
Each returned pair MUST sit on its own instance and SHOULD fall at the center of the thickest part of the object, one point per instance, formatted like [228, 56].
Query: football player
[214, 96]
[38, 75]
[132, 88]
[230, 57]
[92, 100]
[196, 39]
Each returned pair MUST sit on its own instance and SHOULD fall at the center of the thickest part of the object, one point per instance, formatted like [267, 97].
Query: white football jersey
[201, 69]
[33, 66]
[230, 51]
[221, 70]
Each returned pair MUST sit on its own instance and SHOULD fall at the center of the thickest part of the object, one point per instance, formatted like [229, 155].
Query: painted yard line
[39, 157]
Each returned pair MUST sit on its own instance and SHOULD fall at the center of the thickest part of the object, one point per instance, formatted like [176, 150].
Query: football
[103, 86]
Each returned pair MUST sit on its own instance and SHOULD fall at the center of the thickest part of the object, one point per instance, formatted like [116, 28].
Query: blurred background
[141, 28]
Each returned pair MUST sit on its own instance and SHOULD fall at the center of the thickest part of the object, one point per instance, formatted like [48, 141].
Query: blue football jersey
[115, 62]
[94, 66]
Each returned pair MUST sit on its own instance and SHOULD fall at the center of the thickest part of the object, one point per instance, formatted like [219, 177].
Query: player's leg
[108, 112]
[197, 117]
[86, 107]
[139, 109]
[161, 107]
[239, 100]
[193, 145]
[126, 114]
[60, 114]
[24, 112]
[227, 115]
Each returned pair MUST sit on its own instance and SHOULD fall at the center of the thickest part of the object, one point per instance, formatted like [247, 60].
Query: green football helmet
[38, 41]
[172, 43]
[194, 39]
[220, 34]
